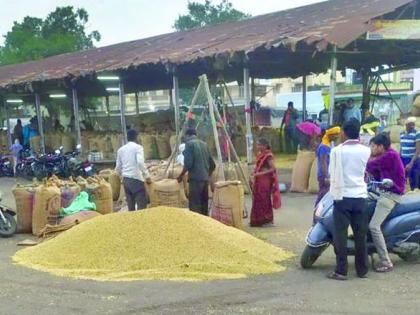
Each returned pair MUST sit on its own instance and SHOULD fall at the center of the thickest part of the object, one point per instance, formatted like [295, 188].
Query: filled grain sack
[172, 142]
[116, 141]
[394, 133]
[114, 180]
[228, 203]
[47, 202]
[313, 187]
[167, 192]
[163, 147]
[69, 192]
[149, 145]
[35, 144]
[24, 199]
[100, 193]
[396, 146]
[68, 142]
[416, 103]
[415, 111]
[301, 171]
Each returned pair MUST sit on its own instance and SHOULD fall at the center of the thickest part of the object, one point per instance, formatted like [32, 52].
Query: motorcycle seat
[409, 203]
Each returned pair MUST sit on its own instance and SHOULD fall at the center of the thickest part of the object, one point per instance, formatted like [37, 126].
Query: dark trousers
[135, 194]
[414, 174]
[290, 140]
[350, 211]
[199, 196]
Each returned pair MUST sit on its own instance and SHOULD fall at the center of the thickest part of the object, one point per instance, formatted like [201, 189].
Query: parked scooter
[401, 228]
[78, 167]
[8, 224]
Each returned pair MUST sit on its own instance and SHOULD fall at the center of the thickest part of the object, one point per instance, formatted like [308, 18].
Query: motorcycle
[50, 164]
[24, 167]
[6, 166]
[78, 167]
[401, 228]
[8, 223]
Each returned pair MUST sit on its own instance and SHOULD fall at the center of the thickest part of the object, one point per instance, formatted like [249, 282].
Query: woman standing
[265, 186]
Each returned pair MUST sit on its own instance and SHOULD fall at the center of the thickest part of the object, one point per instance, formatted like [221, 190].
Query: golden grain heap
[158, 243]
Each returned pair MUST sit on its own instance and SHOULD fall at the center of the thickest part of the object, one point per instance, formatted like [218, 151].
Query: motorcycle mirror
[78, 147]
[61, 148]
[57, 151]
[386, 182]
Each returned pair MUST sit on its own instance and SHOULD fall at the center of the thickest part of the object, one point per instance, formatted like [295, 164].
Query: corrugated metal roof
[337, 21]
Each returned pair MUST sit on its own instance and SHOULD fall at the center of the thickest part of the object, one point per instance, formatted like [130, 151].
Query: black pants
[199, 196]
[135, 194]
[350, 211]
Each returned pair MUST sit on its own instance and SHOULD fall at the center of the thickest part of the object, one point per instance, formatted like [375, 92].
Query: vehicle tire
[310, 255]
[8, 228]
[410, 256]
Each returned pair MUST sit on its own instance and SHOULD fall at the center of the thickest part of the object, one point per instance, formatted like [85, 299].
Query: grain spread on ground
[160, 243]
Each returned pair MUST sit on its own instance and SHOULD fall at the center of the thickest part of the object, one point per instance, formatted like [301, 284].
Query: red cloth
[265, 188]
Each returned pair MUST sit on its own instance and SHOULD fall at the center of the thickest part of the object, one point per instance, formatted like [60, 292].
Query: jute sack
[174, 171]
[149, 145]
[228, 203]
[35, 144]
[167, 192]
[394, 133]
[301, 171]
[313, 187]
[416, 103]
[79, 217]
[116, 142]
[114, 180]
[68, 143]
[396, 146]
[24, 199]
[46, 209]
[69, 191]
[100, 192]
[172, 142]
[163, 147]
[415, 111]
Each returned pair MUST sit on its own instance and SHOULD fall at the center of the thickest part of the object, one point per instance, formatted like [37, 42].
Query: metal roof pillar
[175, 99]
[247, 95]
[76, 109]
[333, 80]
[40, 123]
[122, 112]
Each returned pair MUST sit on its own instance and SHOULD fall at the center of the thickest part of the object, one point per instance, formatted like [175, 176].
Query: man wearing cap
[131, 167]
[410, 150]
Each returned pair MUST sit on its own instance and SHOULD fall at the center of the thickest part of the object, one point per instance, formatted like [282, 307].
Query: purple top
[388, 165]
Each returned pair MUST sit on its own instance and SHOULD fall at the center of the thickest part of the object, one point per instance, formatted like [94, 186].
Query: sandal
[384, 267]
[336, 276]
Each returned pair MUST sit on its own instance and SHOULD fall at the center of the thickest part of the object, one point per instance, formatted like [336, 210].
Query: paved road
[295, 291]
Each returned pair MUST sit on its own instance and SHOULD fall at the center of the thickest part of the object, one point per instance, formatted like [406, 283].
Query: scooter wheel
[9, 227]
[310, 255]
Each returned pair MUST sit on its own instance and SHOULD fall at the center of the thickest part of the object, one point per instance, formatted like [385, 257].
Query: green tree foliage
[63, 30]
[208, 14]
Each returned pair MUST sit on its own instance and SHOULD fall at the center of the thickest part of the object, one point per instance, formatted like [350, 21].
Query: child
[15, 149]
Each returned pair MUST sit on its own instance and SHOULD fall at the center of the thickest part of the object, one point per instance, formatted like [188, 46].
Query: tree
[62, 31]
[200, 15]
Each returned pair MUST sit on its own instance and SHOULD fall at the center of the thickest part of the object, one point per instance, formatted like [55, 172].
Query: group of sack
[38, 205]
[304, 173]
[53, 141]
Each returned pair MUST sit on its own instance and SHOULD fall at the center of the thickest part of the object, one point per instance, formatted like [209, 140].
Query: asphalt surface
[295, 291]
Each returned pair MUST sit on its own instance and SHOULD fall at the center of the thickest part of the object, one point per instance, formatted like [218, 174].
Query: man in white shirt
[131, 167]
[348, 187]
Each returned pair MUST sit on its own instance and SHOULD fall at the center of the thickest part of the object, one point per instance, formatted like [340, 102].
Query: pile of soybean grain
[158, 243]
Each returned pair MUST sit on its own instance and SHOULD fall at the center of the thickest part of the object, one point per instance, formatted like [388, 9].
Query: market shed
[296, 42]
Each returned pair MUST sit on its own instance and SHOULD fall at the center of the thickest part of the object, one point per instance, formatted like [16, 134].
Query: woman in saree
[265, 188]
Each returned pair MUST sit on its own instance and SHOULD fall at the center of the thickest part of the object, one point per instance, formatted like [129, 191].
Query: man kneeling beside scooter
[384, 163]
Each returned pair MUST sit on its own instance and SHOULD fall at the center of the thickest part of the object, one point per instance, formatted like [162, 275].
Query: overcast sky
[124, 20]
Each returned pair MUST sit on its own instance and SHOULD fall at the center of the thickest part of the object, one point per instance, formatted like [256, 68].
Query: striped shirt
[408, 143]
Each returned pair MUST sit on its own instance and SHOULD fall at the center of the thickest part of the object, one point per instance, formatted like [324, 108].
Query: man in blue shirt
[352, 111]
[410, 150]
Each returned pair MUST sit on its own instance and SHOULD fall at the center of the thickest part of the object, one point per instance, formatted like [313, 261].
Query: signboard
[395, 30]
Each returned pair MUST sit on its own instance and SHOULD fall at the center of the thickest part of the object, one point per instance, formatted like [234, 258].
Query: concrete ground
[295, 291]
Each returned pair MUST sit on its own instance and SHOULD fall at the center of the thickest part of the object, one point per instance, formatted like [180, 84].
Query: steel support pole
[304, 98]
[136, 96]
[40, 124]
[333, 80]
[247, 95]
[9, 131]
[175, 99]
[76, 109]
[122, 112]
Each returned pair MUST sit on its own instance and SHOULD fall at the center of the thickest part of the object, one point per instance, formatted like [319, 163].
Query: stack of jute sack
[232, 172]
[38, 205]
[53, 141]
